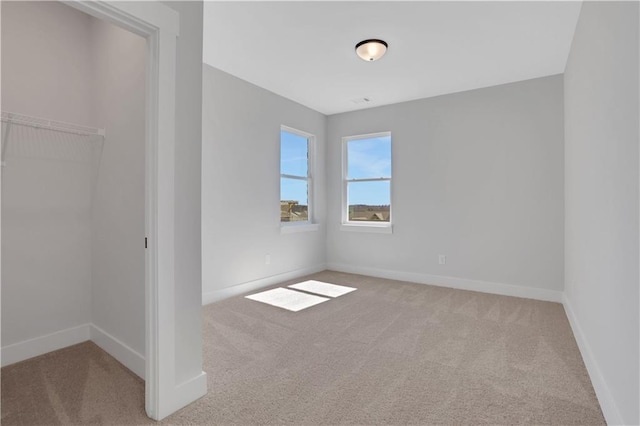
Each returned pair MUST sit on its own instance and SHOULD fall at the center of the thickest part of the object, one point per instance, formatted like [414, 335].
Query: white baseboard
[453, 282]
[225, 293]
[186, 393]
[120, 351]
[41, 345]
[607, 403]
[71, 336]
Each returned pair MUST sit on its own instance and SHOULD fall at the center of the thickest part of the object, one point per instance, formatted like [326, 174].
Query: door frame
[159, 25]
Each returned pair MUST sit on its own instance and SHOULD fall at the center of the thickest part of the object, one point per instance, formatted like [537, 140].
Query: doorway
[159, 26]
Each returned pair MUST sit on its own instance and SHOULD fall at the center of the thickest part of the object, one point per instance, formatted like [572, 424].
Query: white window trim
[373, 227]
[308, 225]
[360, 226]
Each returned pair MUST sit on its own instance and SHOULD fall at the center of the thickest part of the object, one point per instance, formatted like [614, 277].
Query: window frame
[309, 224]
[364, 226]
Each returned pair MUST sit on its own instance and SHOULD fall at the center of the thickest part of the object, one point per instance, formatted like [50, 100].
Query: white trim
[453, 282]
[128, 357]
[189, 391]
[294, 227]
[225, 293]
[304, 178]
[605, 398]
[138, 17]
[346, 181]
[311, 161]
[43, 344]
[382, 228]
[368, 136]
[379, 179]
[298, 132]
[160, 227]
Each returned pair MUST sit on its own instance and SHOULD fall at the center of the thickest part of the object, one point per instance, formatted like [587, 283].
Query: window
[367, 181]
[296, 149]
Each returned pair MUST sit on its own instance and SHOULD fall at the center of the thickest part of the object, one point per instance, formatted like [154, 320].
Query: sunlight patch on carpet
[324, 289]
[287, 299]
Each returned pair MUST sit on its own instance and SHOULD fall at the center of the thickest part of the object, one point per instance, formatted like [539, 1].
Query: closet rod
[44, 123]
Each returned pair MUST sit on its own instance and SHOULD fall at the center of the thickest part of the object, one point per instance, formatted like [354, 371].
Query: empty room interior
[320, 213]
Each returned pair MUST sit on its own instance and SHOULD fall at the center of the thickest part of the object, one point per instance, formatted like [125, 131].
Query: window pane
[293, 200]
[293, 154]
[369, 158]
[369, 201]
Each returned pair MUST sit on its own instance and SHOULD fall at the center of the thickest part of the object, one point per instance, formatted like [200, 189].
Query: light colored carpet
[389, 353]
[78, 385]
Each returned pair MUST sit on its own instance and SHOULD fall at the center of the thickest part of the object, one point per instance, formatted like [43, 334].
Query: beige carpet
[389, 353]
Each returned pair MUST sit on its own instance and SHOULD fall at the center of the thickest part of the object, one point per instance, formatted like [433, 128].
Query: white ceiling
[304, 51]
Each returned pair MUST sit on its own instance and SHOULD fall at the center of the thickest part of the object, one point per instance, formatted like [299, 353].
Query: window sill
[291, 228]
[368, 227]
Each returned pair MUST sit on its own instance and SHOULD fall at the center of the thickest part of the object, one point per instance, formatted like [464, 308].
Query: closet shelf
[43, 123]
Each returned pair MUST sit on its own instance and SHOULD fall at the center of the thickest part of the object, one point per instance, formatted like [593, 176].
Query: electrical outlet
[267, 259]
[442, 259]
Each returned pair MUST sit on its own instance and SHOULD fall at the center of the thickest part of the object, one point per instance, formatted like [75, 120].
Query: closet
[73, 140]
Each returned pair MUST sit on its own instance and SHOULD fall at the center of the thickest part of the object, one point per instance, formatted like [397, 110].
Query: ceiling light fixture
[371, 50]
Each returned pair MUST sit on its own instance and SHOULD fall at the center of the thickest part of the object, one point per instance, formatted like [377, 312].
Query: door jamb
[159, 25]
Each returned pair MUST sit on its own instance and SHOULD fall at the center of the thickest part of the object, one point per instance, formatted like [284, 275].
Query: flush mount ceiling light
[371, 50]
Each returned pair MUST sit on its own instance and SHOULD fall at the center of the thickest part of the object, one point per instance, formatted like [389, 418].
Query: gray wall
[601, 188]
[118, 282]
[46, 198]
[52, 77]
[477, 176]
[188, 157]
[241, 184]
